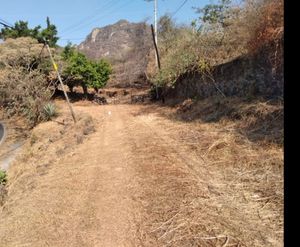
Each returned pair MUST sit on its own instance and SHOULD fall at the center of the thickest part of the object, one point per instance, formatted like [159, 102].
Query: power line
[179, 8]
[87, 17]
[106, 6]
[5, 22]
[5, 25]
[113, 10]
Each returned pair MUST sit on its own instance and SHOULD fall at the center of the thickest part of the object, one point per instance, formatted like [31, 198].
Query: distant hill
[126, 45]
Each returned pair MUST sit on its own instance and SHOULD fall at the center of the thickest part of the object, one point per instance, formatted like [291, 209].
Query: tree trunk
[84, 87]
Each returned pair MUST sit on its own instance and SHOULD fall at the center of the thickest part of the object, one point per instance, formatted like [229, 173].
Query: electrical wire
[179, 8]
[106, 6]
[5, 25]
[5, 22]
[98, 18]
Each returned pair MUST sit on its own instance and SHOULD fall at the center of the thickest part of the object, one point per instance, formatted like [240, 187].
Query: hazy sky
[76, 18]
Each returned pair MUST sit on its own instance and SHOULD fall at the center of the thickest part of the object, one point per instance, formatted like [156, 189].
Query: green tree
[68, 51]
[101, 72]
[21, 29]
[49, 34]
[83, 71]
[214, 13]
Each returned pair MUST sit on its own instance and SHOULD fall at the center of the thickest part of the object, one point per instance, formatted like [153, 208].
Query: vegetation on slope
[24, 79]
[27, 78]
[222, 32]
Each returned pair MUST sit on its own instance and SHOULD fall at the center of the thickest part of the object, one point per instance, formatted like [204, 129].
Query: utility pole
[156, 49]
[157, 62]
[61, 83]
[155, 29]
[155, 20]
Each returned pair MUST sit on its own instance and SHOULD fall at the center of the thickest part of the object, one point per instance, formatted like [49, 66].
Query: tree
[83, 71]
[165, 25]
[21, 29]
[68, 51]
[168, 31]
[214, 13]
[49, 34]
[102, 71]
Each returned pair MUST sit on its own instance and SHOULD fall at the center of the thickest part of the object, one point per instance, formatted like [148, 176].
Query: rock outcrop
[126, 45]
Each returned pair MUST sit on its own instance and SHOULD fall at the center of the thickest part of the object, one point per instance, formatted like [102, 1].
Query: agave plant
[49, 111]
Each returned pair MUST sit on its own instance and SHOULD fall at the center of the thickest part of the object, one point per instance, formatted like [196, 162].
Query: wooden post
[2, 132]
[157, 55]
[61, 83]
[156, 49]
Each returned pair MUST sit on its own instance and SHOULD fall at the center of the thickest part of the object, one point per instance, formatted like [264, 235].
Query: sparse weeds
[3, 178]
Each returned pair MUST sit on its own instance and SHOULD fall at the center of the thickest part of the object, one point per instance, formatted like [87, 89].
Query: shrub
[23, 93]
[269, 27]
[25, 85]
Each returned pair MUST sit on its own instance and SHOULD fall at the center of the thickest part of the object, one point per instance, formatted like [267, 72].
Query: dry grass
[196, 183]
[259, 120]
[233, 195]
[24, 84]
[254, 27]
[269, 26]
[47, 143]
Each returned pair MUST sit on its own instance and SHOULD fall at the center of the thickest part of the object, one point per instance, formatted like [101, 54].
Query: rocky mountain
[126, 45]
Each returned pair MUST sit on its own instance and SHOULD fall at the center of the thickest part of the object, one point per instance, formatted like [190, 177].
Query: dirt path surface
[131, 183]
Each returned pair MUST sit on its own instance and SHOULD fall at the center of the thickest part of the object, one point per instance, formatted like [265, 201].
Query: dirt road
[130, 183]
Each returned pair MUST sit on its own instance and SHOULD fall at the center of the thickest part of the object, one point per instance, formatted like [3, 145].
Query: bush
[269, 27]
[24, 80]
[23, 93]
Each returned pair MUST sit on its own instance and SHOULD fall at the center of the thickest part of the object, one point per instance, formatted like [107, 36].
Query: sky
[75, 19]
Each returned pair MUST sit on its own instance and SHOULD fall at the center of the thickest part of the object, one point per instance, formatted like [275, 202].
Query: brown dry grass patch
[233, 192]
[46, 144]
